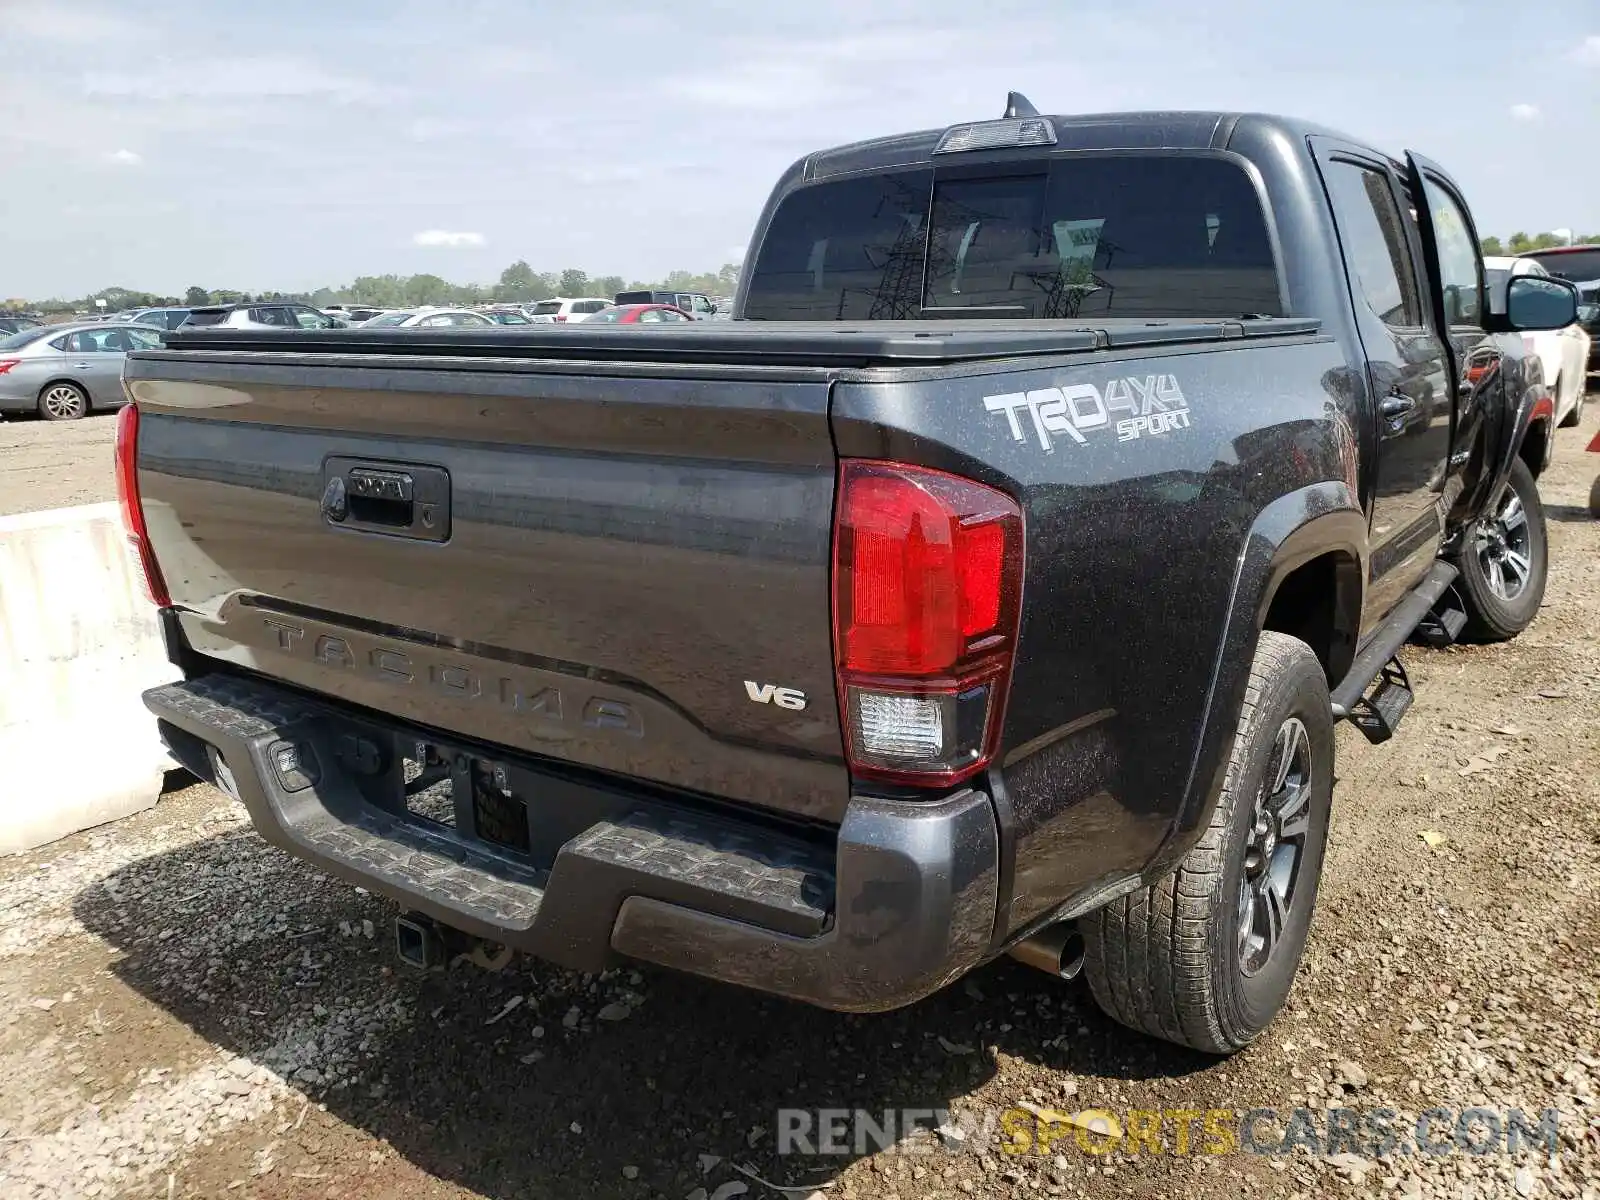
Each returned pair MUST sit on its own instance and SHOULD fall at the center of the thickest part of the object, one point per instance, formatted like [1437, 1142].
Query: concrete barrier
[79, 642]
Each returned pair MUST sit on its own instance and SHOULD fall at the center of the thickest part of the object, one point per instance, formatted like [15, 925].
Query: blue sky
[295, 144]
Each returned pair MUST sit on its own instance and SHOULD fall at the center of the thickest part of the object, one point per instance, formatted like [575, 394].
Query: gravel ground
[55, 464]
[186, 1012]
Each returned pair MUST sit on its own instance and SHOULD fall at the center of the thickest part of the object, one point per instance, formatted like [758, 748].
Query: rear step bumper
[902, 902]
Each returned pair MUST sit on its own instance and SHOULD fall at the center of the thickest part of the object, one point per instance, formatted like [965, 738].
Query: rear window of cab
[1084, 236]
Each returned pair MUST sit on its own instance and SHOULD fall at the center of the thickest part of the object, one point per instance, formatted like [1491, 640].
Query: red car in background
[639, 314]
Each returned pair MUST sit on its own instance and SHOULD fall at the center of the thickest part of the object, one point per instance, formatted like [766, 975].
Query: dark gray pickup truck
[991, 584]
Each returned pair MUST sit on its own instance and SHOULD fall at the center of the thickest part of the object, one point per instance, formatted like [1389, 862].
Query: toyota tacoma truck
[991, 584]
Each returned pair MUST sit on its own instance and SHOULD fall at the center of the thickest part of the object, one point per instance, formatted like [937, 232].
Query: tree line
[518, 283]
[1519, 243]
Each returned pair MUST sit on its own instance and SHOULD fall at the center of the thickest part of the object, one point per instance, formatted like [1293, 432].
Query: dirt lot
[55, 464]
[185, 1012]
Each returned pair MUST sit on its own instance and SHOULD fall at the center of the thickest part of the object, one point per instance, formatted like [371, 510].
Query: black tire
[1169, 959]
[1594, 499]
[1495, 611]
[63, 401]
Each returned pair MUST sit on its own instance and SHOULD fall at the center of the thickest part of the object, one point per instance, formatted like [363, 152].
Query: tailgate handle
[403, 500]
[380, 497]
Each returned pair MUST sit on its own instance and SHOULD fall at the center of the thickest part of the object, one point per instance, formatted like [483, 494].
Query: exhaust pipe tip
[417, 944]
[1056, 950]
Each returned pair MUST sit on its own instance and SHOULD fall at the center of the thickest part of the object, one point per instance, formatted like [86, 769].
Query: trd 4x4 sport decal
[1154, 405]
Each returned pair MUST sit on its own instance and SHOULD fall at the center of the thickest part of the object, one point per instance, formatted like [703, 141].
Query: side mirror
[1536, 303]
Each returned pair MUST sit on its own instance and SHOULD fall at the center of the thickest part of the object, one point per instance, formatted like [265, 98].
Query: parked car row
[63, 372]
[628, 308]
[557, 310]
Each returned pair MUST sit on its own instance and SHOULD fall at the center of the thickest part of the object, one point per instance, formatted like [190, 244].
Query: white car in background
[1564, 353]
[562, 310]
[431, 318]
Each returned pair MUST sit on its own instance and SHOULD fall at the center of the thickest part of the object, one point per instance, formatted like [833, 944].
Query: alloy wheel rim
[63, 402]
[1275, 847]
[1504, 546]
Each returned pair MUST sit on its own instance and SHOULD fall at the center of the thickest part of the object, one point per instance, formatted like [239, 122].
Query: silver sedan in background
[63, 372]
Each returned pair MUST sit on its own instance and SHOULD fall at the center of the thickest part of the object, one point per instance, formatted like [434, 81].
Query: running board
[1387, 639]
[1445, 620]
[1377, 715]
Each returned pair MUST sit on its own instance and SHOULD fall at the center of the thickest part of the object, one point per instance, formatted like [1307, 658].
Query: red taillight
[927, 579]
[132, 509]
[7, 363]
[559, 317]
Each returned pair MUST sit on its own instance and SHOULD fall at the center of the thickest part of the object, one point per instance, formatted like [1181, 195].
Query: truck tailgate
[590, 562]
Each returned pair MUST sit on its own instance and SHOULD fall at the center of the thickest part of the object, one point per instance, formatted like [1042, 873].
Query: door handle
[1396, 405]
[81, 366]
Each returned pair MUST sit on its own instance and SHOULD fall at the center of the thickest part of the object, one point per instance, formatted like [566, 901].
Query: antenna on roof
[1018, 105]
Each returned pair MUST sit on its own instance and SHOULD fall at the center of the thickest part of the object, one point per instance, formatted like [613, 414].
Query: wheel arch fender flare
[1535, 409]
[1295, 529]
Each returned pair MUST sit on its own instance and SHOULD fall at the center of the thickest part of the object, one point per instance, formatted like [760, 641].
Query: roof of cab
[1164, 130]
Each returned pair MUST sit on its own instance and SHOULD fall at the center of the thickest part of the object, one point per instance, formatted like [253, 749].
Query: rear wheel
[1503, 562]
[1206, 956]
[63, 402]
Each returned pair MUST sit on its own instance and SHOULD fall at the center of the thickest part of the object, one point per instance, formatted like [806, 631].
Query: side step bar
[1379, 714]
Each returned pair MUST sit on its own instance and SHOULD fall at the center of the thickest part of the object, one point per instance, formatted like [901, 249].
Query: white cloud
[766, 74]
[59, 23]
[447, 237]
[229, 78]
[606, 175]
[1525, 112]
[754, 86]
[124, 158]
[1587, 51]
[437, 129]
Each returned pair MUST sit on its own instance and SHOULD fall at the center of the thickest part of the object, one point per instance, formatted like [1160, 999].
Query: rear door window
[1377, 255]
[95, 341]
